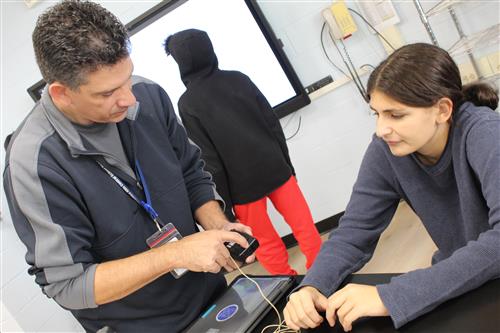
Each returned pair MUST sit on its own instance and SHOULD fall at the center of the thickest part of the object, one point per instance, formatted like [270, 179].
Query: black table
[475, 311]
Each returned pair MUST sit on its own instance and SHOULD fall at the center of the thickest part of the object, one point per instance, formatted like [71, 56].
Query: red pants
[291, 204]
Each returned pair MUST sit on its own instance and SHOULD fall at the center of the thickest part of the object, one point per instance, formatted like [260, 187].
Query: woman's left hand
[352, 302]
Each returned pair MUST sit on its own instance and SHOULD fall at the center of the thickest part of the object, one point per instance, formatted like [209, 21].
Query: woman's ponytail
[481, 94]
[420, 74]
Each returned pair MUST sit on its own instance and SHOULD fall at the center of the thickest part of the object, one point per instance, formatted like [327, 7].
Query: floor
[405, 236]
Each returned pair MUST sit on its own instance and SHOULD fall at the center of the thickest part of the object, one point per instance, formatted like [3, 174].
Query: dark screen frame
[283, 109]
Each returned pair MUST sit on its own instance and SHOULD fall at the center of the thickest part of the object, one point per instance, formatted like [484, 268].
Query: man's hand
[352, 302]
[200, 252]
[205, 251]
[242, 228]
[301, 311]
[211, 217]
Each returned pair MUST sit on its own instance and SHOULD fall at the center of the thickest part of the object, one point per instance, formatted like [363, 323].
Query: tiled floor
[405, 237]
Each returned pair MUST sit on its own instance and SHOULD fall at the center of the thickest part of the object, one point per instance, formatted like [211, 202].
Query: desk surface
[475, 311]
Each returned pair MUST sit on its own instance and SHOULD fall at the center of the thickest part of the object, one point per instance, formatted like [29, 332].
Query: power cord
[324, 50]
[371, 26]
[353, 73]
[280, 327]
[292, 117]
[297, 131]
[364, 93]
[367, 65]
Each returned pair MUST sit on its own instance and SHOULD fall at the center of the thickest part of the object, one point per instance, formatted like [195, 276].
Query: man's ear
[59, 94]
[445, 109]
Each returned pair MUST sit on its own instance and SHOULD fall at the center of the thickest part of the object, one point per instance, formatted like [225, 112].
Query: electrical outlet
[484, 67]
[494, 60]
[488, 66]
[467, 72]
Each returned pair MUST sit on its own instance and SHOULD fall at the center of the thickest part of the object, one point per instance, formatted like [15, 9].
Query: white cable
[280, 327]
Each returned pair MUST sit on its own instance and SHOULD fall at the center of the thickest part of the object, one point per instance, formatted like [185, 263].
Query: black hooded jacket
[225, 114]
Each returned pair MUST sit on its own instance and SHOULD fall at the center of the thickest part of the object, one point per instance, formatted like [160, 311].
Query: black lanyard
[144, 204]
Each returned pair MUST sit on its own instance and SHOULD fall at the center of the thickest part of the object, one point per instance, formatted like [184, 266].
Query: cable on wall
[326, 53]
[290, 119]
[353, 73]
[367, 65]
[296, 131]
[373, 28]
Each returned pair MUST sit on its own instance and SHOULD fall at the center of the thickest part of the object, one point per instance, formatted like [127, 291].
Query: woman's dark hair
[420, 74]
[74, 38]
[481, 94]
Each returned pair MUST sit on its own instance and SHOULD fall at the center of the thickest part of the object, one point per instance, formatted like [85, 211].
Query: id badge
[167, 234]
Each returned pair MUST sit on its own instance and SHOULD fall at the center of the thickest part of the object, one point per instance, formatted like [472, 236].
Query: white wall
[337, 127]
[326, 152]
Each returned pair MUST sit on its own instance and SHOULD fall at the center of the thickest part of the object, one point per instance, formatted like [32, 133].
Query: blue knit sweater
[458, 201]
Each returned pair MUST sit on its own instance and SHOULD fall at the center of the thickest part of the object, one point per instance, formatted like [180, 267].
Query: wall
[335, 129]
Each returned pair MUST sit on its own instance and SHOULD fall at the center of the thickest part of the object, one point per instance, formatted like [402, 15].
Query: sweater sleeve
[50, 219]
[371, 207]
[210, 155]
[415, 293]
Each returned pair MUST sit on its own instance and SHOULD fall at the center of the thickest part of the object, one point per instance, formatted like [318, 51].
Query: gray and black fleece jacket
[71, 215]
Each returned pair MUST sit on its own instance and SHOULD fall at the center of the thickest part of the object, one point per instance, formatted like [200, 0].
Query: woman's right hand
[303, 307]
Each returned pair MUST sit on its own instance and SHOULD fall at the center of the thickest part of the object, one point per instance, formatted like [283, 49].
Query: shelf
[442, 5]
[492, 77]
[335, 84]
[483, 38]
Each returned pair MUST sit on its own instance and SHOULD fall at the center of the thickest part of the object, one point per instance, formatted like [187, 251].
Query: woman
[437, 146]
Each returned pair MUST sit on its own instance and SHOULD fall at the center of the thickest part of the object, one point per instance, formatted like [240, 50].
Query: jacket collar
[64, 127]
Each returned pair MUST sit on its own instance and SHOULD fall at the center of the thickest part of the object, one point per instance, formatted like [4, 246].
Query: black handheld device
[238, 252]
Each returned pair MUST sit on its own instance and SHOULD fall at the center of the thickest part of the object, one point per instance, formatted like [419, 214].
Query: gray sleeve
[64, 291]
[33, 193]
[371, 207]
[410, 295]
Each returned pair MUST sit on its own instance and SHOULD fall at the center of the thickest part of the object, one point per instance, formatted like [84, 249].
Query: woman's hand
[352, 302]
[301, 311]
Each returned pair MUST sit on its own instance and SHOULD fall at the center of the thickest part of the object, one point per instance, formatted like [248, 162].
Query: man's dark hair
[75, 38]
[420, 74]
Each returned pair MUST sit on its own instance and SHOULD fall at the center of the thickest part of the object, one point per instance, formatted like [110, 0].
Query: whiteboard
[238, 42]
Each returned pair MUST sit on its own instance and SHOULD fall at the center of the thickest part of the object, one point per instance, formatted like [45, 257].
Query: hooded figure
[244, 148]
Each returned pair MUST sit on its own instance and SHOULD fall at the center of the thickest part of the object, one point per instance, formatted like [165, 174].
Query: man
[245, 149]
[97, 167]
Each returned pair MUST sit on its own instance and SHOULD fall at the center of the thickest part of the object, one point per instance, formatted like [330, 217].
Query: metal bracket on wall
[465, 43]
